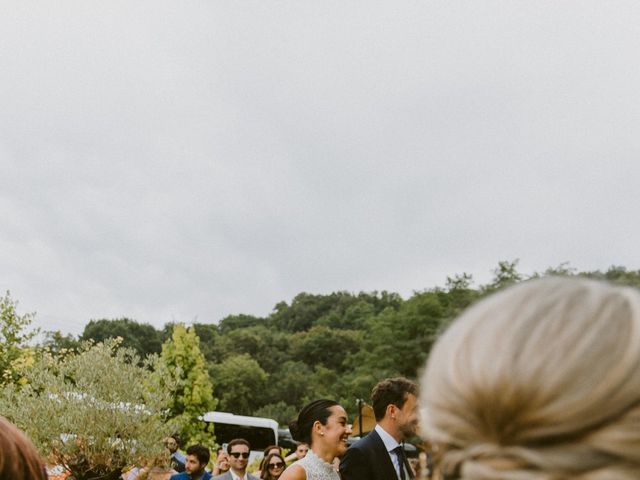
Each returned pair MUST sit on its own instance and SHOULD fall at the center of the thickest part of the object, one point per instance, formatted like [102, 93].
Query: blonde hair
[539, 381]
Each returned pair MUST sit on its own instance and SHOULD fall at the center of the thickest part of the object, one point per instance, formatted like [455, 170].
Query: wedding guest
[272, 467]
[221, 465]
[272, 449]
[19, 459]
[239, 451]
[156, 469]
[299, 453]
[156, 473]
[539, 381]
[177, 458]
[268, 451]
[323, 425]
[196, 461]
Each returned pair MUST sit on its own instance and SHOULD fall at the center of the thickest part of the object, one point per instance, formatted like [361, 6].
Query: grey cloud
[167, 161]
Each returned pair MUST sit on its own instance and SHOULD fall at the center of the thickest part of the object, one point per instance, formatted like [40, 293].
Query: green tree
[142, 337]
[564, 269]
[617, 274]
[214, 345]
[340, 344]
[235, 322]
[182, 371]
[505, 274]
[324, 346]
[291, 383]
[267, 346]
[349, 312]
[457, 296]
[58, 343]
[281, 412]
[14, 337]
[305, 311]
[398, 342]
[95, 411]
[240, 382]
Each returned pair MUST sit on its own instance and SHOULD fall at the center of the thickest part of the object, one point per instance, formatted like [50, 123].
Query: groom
[379, 455]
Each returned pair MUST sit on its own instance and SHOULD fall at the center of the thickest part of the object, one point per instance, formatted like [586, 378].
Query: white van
[260, 432]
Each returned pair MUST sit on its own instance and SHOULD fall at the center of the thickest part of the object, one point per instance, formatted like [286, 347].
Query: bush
[95, 411]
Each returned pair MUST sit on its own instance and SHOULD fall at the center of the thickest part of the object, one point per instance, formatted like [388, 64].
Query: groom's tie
[401, 460]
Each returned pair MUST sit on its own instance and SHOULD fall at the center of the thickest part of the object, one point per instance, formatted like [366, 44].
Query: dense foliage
[337, 345]
[181, 372]
[14, 339]
[94, 411]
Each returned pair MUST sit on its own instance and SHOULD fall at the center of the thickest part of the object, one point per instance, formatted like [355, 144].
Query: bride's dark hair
[318, 410]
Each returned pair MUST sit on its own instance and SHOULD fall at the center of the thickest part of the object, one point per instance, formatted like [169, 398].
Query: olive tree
[95, 411]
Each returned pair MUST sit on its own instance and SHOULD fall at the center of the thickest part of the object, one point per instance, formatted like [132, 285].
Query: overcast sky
[182, 161]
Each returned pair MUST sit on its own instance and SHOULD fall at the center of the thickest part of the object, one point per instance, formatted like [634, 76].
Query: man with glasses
[238, 450]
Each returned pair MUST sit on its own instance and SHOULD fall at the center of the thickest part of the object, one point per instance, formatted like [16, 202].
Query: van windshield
[259, 437]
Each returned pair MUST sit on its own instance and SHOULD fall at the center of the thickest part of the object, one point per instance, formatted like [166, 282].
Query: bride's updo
[318, 410]
[539, 381]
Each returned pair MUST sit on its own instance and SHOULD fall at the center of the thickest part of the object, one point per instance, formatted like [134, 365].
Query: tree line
[336, 345]
[105, 399]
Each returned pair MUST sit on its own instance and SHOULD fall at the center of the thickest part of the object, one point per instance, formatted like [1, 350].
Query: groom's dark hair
[392, 391]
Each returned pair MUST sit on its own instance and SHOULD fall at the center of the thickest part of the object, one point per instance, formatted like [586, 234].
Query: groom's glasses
[237, 454]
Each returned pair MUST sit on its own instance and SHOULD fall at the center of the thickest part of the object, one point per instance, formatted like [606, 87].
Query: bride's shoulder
[294, 472]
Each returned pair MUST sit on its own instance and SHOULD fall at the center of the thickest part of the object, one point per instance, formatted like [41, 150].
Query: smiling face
[335, 433]
[239, 457]
[275, 466]
[407, 416]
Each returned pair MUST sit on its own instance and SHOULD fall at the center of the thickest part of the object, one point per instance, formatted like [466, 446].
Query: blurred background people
[155, 473]
[196, 460]
[156, 469]
[221, 465]
[177, 457]
[268, 451]
[272, 467]
[299, 453]
[538, 381]
[272, 449]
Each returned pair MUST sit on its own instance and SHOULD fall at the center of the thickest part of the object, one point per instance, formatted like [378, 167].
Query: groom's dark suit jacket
[368, 459]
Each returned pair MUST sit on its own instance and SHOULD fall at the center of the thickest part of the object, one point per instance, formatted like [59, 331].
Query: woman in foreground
[19, 459]
[322, 425]
[540, 381]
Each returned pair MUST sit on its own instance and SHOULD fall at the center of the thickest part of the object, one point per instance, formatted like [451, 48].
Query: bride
[323, 425]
